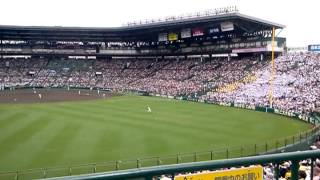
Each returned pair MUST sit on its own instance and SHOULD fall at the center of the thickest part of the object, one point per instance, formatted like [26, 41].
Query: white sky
[300, 17]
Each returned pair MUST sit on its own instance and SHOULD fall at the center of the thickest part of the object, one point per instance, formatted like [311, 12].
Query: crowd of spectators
[296, 85]
[304, 167]
[166, 76]
[238, 80]
[14, 72]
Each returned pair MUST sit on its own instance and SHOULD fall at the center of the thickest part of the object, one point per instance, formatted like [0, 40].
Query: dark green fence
[298, 142]
[149, 173]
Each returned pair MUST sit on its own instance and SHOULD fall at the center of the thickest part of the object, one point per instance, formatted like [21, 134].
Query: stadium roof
[139, 32]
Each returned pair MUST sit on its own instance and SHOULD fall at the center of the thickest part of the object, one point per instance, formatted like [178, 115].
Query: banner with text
[163, 37]
[227, 26]
[249, 173]
[173, 36]
[197, 32]
[186, 33]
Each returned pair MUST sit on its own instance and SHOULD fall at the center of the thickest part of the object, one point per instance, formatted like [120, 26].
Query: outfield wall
[307, 118]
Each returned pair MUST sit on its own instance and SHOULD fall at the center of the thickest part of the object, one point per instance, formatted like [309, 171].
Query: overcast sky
[301, 18]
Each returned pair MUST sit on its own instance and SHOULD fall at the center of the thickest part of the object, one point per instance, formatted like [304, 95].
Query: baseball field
[44, 134]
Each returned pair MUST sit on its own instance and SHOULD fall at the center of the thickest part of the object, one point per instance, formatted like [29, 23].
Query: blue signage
[314, 48]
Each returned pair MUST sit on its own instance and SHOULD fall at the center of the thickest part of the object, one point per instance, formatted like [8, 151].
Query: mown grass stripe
[53, 153]
[33, 147]
[22, 135]
[10, 118]
[22, 120]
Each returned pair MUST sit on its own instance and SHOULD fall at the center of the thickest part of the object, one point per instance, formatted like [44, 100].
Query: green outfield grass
[72, 133]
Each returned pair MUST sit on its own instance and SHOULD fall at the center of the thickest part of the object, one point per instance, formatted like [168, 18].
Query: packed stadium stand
[244, 81]
[296, 86]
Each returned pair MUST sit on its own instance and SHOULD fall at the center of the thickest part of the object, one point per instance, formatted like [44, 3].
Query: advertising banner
[173, 36]
[163, 37]
[227, 26]
[197, 32]
[186, 33]
[249, 173]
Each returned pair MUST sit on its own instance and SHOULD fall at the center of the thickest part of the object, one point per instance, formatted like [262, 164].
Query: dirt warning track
[51, 95]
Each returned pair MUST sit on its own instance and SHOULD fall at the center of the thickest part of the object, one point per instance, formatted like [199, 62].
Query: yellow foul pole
[273, 71]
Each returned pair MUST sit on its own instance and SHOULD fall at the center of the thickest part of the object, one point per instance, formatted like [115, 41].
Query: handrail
[148, 172]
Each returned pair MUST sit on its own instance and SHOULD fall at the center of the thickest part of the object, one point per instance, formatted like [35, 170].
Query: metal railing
[280, 145]
[149, 173]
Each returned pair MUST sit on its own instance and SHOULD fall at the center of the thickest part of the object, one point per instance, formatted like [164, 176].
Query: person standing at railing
[316, 170]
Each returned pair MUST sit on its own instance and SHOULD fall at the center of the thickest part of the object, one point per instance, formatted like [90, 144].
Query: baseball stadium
[163, 98]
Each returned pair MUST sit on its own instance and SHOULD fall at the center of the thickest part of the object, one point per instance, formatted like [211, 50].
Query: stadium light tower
[271, 81]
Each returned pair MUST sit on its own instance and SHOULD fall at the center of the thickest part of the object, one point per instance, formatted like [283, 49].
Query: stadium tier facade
[226, 32]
